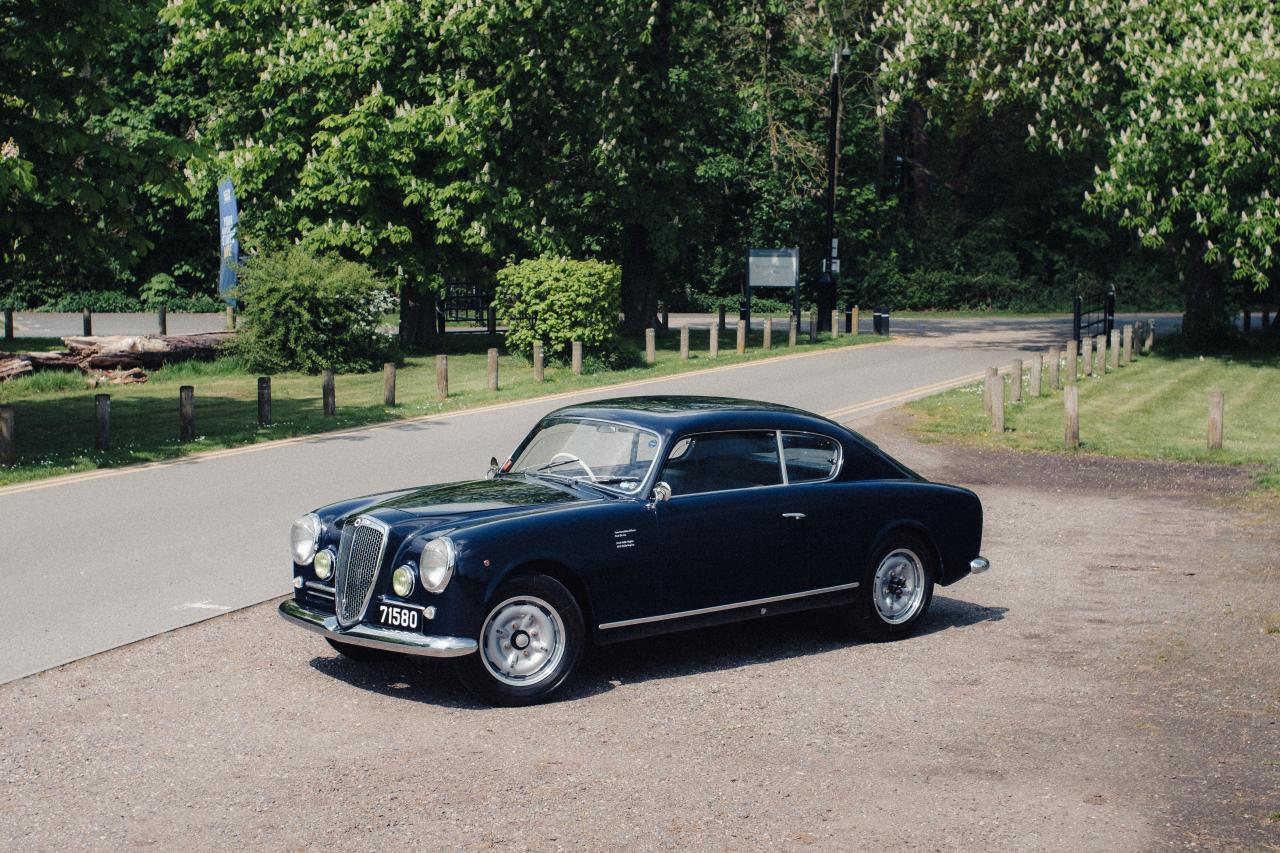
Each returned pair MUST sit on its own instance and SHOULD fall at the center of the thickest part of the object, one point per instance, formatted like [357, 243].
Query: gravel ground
[1109, 685]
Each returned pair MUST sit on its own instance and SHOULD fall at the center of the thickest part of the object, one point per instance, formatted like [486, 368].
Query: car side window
[809, 457]
[719, 461]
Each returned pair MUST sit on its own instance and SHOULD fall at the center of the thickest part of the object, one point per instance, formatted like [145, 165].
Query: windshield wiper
[548, 466]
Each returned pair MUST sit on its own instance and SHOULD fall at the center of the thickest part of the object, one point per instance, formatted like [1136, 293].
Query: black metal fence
[1094, 315]
[464, 303]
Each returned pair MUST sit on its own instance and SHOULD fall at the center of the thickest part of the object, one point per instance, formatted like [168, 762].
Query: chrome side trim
[625, 623]
[319, 588]
[387, 639]
[979, 564]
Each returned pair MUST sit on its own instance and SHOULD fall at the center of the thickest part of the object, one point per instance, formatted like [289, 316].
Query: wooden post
[8, 324]
[1128, 344]
[997, 406]
[186, 413]
[835, 323]
[993, 376]
[1215, 420]
[442, 376]
[1072, 367]
[853, 324]
[813, 327]
[650, 346]
[1114, 353]
[1149, 343]
[1100, 358]
[493, 368]
[720, 319]
[231, 318]
[539, 370]
[389, 384]
[327, 393]
[742, 336]
[791, 331]
[162, 320]
[264, 401]
[1037, 374]
[713, 343]
[666, 317]
[576, 359]
[102, 422]
[86, 321]
[1015, 382]
[1071, 404]
[684, 343]
[8, 439]
[768, 333]
[1055, 378]
[491, 320]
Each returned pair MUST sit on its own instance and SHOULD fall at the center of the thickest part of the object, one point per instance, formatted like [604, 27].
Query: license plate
[393, 616]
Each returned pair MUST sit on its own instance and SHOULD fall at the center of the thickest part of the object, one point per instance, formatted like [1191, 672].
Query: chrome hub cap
[898, 588]
[522, 641]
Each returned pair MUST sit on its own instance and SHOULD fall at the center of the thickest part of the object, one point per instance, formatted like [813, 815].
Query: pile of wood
[116, 358]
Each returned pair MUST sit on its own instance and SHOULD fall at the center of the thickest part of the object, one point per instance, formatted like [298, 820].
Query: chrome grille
[359, 554]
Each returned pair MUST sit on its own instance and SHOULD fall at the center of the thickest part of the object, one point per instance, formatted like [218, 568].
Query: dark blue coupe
[624, 518]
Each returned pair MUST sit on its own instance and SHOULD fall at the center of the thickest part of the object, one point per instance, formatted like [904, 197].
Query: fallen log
[148, 351]
[117, 377]
[52, 360]
[11, 367]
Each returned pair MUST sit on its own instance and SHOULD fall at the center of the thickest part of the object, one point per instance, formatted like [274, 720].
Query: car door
[724, 536]
[828, 527]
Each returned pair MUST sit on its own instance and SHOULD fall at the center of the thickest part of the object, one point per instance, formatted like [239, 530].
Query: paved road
[95, 562]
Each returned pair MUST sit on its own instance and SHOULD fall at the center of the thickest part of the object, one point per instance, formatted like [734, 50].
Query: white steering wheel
[569, 457]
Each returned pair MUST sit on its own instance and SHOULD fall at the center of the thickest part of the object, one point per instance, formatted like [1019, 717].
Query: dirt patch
[1109, 685]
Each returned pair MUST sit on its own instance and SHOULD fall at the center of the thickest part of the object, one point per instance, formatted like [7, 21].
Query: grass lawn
[54, 411]
[1155, 408]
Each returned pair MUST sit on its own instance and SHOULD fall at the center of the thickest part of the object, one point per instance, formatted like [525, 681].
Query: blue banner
[228, 242]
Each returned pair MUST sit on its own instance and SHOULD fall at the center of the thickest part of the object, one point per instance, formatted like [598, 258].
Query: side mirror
[661, 492]
[493, 468]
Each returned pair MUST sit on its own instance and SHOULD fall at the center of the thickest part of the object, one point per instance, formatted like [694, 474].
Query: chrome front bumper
[387, 639]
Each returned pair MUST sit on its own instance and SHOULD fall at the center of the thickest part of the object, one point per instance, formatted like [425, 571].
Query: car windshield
[608, 454]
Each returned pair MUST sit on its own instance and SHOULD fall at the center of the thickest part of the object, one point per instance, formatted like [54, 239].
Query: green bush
[159, 290]
[201, 304]
[558, 301]
[308, 312]
[101, 301]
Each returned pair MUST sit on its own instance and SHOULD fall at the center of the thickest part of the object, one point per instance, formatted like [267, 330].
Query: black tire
[545, 629]
[364, 654]
[881, 623]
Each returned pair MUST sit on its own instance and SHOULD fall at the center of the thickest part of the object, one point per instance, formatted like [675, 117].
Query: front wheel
[896, 589]
[530, 642]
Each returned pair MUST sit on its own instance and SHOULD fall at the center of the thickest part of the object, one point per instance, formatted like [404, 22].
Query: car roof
[677, 414]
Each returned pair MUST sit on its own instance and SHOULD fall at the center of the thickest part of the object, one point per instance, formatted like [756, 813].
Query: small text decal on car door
[624, 538]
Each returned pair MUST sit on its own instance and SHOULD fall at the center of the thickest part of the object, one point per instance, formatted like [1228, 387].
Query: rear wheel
[896, 589]
[530, 642]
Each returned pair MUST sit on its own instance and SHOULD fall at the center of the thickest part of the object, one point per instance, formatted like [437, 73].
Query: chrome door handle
[793, 515]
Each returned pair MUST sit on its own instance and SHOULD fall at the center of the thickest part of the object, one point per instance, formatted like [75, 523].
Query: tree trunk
[639, 278]
[417, 317]
[919, 157]
[1205, 319]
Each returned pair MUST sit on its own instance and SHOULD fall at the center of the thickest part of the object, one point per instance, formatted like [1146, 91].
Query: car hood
[453, 503]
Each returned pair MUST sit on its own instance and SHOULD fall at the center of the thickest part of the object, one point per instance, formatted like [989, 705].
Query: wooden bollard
[327, 393]
[1015, 382]
[491, 320]
[1054, 376]
[1100, 357]
[86, 322]
[162, 320]
[493, 369]
[650, 346]
[575, 363]
[1215, 420]
[8, 324]
[1114, 353]
[231, 318]
[1128, 344]
[813, 327]
[389, 384]
[186, 413]
[767, 343]
[835, 323]
[720, 318]
[684, 343]
[791, 331]
[442, 376]
[1149, 342]
[1086, 358]
[713, 343]
[102, 422]
[1072, 366]
[853, 323]
[539, 368]
[742, 336]
[264, 401]
[993, 376]
[8, 437]
[1071, 422]
[997, 406]
[1037, 374]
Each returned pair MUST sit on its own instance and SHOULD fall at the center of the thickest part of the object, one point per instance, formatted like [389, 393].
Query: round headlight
[438, 557]
[402, 581]
[324, 564]
[305, 538]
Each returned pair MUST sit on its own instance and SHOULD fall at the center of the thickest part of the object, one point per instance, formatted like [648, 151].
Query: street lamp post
[831, 263]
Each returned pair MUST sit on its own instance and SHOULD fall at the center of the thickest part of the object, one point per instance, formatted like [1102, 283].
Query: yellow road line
[68, 479]
[903, 396]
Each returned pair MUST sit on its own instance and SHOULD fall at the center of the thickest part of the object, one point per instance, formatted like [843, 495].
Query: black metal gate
[464, 303]
[1094, 315]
